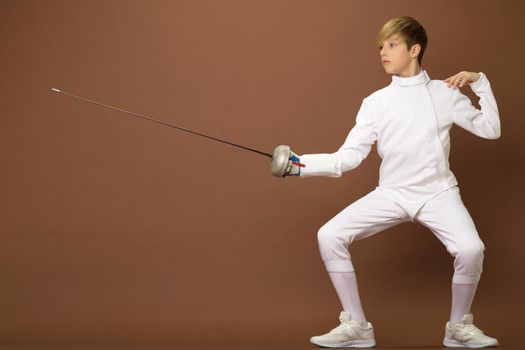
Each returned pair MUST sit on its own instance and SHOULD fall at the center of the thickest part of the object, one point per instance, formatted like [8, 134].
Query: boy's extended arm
[484, 123]
[355, 148]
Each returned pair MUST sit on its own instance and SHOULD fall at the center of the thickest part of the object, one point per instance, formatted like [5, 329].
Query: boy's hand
[293, 168]
[462, 78]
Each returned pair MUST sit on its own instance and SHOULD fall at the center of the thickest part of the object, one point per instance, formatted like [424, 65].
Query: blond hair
[409, 29]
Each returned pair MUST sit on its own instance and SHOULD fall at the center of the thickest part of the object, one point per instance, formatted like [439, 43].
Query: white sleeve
[355, 148]
[484, 123]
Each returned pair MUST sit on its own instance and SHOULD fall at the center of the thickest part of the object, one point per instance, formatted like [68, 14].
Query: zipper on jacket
[442, 148]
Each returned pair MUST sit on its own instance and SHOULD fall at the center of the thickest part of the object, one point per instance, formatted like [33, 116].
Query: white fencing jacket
[410, 120]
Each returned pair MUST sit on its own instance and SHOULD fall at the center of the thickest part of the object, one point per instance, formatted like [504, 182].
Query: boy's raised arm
[483, 123]
[355, 148]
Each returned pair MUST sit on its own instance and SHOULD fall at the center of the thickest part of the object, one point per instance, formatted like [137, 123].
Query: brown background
[116, 230]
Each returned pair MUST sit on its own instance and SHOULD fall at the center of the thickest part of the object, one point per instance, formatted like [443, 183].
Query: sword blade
[160, 122]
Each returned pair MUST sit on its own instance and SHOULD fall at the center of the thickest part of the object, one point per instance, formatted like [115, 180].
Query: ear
[415, 49]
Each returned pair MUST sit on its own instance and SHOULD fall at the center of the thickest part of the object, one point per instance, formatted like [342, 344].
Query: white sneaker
[349, 334]
[466, 335]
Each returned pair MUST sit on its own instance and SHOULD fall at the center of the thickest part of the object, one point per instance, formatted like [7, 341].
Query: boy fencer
[410, 120]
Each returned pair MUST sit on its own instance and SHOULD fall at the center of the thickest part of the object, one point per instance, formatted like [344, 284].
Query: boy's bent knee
[471, 252]
[329, 235]
[468, 264]
[325, 235]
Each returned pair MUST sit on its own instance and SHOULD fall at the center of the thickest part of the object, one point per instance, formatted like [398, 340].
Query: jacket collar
[418, 79]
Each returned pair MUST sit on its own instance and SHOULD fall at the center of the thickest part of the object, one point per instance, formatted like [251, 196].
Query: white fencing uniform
[410, 120]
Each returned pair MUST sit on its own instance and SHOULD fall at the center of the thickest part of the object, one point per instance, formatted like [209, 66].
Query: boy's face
[395, 57]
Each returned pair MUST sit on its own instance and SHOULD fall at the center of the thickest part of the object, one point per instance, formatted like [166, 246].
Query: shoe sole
[455, 344]
[347, 344]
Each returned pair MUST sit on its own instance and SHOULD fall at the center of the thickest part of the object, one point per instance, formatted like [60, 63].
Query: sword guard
[281, 157]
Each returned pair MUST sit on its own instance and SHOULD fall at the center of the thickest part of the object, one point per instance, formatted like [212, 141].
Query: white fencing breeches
[444, 214]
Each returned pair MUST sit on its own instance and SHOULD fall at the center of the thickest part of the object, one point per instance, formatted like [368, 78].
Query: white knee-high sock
[345, 284]
[462, 297]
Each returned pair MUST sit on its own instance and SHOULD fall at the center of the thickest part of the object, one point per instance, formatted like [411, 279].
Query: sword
[279, 157]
